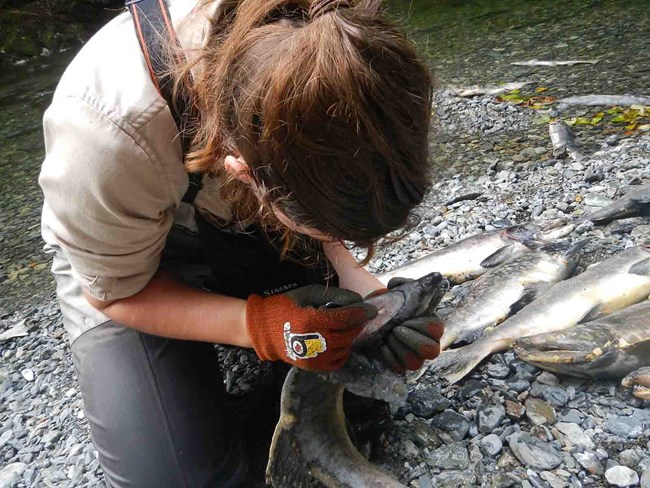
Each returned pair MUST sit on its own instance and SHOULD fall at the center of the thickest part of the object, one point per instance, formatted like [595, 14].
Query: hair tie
[321, 7]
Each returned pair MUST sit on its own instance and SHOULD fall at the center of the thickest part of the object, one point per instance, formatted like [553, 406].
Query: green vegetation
[29, 26]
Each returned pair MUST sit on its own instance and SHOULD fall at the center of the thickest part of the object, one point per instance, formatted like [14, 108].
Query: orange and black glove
[312, 327]
[413, 340]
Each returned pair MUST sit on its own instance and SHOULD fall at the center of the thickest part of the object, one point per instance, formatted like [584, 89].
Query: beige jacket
[112, 177]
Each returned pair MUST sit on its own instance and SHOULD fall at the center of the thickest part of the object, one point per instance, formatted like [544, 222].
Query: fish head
[566, 251]
[573, 347]
[403, 300]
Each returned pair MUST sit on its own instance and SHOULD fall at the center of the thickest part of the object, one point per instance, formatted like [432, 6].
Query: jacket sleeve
[110, 206]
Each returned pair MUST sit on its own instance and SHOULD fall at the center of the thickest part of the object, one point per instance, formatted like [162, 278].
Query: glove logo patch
[303, 346]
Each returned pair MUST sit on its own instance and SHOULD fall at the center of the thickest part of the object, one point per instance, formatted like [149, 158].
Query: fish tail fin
[455, 364]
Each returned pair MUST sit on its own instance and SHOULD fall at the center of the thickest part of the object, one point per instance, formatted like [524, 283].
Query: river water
[468, 42]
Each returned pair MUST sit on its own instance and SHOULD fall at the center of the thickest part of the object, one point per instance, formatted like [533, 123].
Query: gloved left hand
[413, 341]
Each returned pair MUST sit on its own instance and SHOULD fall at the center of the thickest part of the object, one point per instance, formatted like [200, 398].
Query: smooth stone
[621, 476]
[28, 374]
[533, 452]
[590, 462]
[498, 370]
[574, 436]
[11, 473]
[491, 445]
[518, 385]
[453, 456]
[451, 423]
[539, 412]
[6, 437]
[546, 378]
[426, 403]
[489, 418]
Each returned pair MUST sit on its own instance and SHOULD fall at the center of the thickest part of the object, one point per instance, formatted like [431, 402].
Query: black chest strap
[158, 41]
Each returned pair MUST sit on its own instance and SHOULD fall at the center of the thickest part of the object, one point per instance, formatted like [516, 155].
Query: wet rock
[426, 403]
[489, 418]
[539, 412]
[451, 423]
[424, 436]
[590, 462]
[453, 456]
[534, 480]
[518, 385]
[621, 476]
[491, 445]
[514, 410]
[533, 452]
[574, 436]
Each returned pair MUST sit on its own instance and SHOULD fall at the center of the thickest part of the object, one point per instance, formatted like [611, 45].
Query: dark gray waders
[158, 412]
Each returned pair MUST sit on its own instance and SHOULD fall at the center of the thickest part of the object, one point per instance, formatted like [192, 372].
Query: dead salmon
[636, 203]
[469, 258]
[609, 347]
[563, 140]
[612, 285]
[311, 439]
[501, 291]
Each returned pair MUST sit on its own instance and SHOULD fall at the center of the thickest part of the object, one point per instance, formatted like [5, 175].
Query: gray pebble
[621, 476]
[533, 452]
[491, 445]
[453, 456]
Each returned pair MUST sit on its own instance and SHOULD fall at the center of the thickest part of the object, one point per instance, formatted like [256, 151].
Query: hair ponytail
[328, 103]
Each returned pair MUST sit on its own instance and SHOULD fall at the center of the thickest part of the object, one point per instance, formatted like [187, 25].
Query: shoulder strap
[155, 34]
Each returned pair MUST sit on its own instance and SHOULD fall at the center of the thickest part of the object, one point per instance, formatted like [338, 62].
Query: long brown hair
[329, 105]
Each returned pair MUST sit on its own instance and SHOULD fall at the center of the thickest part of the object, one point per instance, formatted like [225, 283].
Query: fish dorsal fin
[498, 257]
[642, 268]
[593, 313]
[530, 293]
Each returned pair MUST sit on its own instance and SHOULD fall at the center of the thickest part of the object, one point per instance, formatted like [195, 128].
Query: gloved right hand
[312, 327]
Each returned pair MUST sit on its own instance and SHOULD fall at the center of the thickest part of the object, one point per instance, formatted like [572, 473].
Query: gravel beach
[508, 423]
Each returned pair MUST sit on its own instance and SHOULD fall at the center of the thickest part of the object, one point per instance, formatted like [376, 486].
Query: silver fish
[506, 289]
[563, 140]
[609, 347]
[605, 100]
[612, 285]
[568, 62]
[311, 440]
[635, 203]
[639, 381]
[469, 258]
